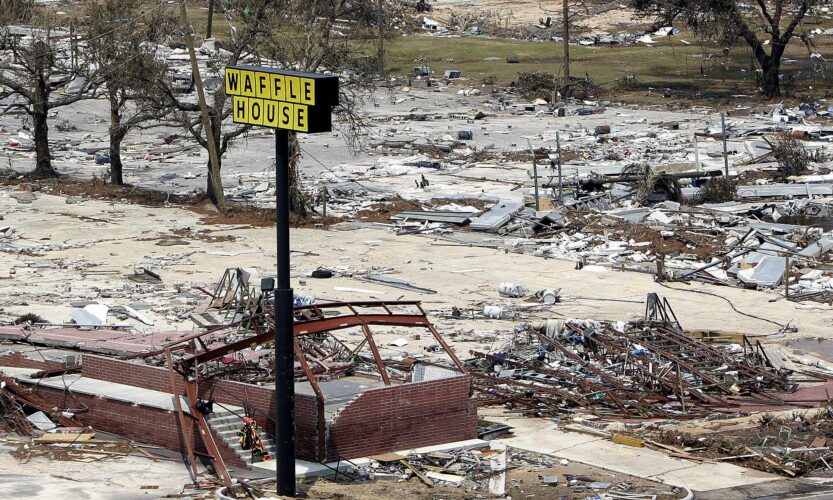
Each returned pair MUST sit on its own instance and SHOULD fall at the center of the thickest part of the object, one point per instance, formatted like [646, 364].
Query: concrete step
[226, 426]
[233, 434]
[223, 414]
[239, 449]
[220, 412]
[236, 444]
[229, 430]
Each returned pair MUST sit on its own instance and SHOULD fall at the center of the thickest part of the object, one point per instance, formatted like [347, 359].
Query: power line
[328, 169]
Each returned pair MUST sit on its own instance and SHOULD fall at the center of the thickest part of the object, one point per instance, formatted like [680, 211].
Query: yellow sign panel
[254, 109]
[263, 87]
[248, 83]
[278, 93]
[281, 99]
[270, 113]
[308, 91]
[293, 88]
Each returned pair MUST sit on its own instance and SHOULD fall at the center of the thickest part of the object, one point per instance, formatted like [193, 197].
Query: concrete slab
[101, 388]
[707, 477]
[542, 436]
[41, 478]
[304, 469]
[456, 445]
[13, 371]
[339, 392]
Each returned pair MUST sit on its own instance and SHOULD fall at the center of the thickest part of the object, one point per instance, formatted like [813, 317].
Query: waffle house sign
[287, 100]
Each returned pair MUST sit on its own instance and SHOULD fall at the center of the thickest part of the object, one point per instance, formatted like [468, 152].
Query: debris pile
[470, 469]
[790, 445]
[647, 368]
[498, 472]
[76, 445]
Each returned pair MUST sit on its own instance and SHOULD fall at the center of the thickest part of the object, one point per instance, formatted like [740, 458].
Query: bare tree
[247, 20]
[383, 16]
[38, 74]
[330, 31]
[304, 35]
[122, 42]
[758, 23]
[792, 157]
[16, 11]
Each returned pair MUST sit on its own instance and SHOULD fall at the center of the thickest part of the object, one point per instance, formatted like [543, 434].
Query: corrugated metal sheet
[445, 216]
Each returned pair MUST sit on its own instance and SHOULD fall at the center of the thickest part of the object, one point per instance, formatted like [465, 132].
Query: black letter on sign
[232, 80]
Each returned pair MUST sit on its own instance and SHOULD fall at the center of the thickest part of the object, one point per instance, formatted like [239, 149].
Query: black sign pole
[284, 328]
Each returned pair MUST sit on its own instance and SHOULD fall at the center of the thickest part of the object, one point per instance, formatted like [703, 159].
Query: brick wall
[377, 421]
[140, 423]
[228, 392]
[261, 399]
[404, 416]
[18, 360]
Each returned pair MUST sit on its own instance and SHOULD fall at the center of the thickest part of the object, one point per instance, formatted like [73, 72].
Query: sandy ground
[82, 251]
[122, 478]
[518, 13]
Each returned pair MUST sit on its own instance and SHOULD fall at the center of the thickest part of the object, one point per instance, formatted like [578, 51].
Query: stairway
[226, 425]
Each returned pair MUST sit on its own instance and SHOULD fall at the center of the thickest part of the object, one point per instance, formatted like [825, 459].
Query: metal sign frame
[279, 99]
[287, 101]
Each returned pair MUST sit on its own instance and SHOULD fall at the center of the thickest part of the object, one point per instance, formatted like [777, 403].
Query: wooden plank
[628, 440]
[184, 428]
[417, 473]
[63, 438]
[98, 452]
[388, 457]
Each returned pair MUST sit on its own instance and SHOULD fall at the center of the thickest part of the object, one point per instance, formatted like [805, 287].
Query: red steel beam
[205, 433]
[319, 400]
[319, 326]
[380, 364]
[183, 421]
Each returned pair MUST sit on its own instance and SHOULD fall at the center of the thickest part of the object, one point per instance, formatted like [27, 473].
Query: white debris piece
[400, 342]
[90, 315]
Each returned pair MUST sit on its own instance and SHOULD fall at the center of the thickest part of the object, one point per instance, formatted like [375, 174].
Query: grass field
[692, 71]
[688, 70]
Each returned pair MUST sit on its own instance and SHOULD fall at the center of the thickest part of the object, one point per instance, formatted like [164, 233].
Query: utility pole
[214, 171]
[725, 150]
[321, 94]
[534, 174]
[210, 18]
[73, 51]
[696, 154]
[558, 145]
[566, 16]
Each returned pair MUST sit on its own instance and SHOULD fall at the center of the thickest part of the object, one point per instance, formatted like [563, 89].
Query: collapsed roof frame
[309, 320]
